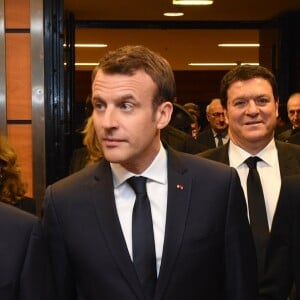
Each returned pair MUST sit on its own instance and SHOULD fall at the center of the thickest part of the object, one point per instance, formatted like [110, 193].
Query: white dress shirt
[157, 190]
[268, 169]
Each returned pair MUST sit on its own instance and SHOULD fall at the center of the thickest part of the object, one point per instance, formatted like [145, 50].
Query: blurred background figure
[216, 134]
[283, 123]
[12, 188]
[293, 111]
[90, 152]
[181, 119]
[178, 134]
[194, 111]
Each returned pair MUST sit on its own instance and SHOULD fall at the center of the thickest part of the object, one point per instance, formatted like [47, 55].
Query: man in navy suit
[250, 99]
[24, 263]
[203, 247]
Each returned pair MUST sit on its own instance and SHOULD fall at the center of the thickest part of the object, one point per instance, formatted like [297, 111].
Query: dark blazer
[208, 248]
[181, 141]
[206, 138]
[289, 164]
[288, 156]
[24, 265]
[282, 259]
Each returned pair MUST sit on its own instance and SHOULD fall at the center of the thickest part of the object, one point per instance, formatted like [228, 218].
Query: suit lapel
[104, 201]
[179, 188]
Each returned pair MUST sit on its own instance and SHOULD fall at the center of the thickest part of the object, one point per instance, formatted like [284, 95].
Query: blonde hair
[91, 142]
[12, 188]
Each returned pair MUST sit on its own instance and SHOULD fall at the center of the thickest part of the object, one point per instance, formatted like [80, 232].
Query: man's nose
[109, 119]
[252, 107]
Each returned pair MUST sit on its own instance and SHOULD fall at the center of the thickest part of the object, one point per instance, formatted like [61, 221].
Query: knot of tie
[252, 161]
[138, 183]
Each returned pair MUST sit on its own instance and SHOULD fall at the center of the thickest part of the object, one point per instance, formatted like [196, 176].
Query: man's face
[126, 125]
[215, 116]
[293, 108]
[251, 113]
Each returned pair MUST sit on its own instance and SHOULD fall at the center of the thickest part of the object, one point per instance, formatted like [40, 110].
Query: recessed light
[239, 45]
[192, 2]
[220, 64]
[173, 14]
[89, 45]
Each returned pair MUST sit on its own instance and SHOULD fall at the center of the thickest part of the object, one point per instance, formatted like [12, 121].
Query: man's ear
[164, 113]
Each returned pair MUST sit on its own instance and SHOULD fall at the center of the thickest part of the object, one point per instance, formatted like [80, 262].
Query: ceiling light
[173, 14]
[239, 45]
[220, 64]
[89, 45]
[192, 2]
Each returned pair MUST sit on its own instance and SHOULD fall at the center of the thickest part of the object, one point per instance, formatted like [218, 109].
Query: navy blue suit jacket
[208, 249]
[24, 263]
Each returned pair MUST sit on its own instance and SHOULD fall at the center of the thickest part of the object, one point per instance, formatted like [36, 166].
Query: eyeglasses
[217, 114]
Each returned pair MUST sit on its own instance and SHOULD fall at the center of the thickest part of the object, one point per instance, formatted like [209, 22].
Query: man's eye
[239, 102]
[99, 105]
[126, 106]
[261, 101]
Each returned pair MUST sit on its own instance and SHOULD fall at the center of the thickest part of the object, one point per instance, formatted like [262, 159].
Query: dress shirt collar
[157, 171]
[237, 155]
[223, 133]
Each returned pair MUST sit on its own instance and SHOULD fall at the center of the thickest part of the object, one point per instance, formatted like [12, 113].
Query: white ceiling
[179, 46]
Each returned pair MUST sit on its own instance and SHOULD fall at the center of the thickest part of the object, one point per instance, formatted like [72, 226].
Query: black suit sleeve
[64, 284]
[35, 279]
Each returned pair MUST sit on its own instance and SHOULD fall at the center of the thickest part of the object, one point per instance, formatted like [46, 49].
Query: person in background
[282, 123]
[282, 268]
[90, 152]
[175, 236]
[194, 111]
[293, 110]
[216, 135]
[24, 262]
[250, 98]
[12, 187]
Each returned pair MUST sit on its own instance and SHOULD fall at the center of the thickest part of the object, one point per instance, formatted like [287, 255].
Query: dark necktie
[220, 139]
[143, 246]
[257, 212]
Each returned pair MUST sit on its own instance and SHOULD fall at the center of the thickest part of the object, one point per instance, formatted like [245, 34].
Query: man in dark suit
[293, 110]
[250, 98]
[216, 135]
[24, 264]
[282, 259]
[198, 239]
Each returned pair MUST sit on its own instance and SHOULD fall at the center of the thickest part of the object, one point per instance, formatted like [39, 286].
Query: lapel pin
[179, 186]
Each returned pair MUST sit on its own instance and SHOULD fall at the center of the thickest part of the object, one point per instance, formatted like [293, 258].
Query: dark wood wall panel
[18, 80]
[17, 13]
[196, 86]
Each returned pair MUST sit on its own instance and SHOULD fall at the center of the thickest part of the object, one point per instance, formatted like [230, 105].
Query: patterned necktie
[257, 212]
[143, 245]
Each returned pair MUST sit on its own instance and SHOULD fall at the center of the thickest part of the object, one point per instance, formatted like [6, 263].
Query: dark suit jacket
[206, 138]
[208, 248]
[181, 141]
[294, 139]
[282, 259]
[289, 164]
[24, 265]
